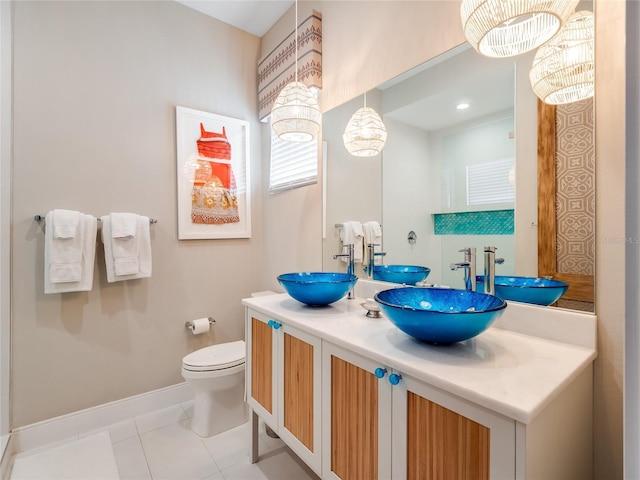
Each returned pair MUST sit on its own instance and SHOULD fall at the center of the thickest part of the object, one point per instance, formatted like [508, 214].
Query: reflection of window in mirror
[489, 182]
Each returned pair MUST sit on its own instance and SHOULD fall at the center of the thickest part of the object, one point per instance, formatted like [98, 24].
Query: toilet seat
[216, 357]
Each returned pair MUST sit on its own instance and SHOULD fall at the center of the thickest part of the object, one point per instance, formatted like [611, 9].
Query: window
[293, 164]
[490, 182]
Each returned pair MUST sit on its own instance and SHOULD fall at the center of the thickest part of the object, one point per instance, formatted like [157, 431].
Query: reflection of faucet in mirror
[371, 255]
[490, 261]
[350, 264]
[469, 266]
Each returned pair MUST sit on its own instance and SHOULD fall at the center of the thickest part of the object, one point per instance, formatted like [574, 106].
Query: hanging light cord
[296, 44]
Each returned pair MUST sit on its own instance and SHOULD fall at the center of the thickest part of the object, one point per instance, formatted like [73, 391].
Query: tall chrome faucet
[490, 261]
[350, 265]
[469, 266]
[371, 255]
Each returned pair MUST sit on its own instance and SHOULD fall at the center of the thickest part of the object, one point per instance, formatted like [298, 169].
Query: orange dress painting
[214, 198]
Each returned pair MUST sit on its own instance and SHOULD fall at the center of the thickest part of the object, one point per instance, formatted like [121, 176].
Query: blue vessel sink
[440, 315]
[539, 291]
[317, 288]
[407, 274]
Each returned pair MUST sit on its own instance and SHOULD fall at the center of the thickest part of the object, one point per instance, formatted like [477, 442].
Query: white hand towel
[64, 223]
[351, 233]
[127, 258]
[68, 262]
[372, 235]
[123, 225]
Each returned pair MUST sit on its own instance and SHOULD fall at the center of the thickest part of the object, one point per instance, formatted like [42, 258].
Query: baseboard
[7, 456]
[84, 421]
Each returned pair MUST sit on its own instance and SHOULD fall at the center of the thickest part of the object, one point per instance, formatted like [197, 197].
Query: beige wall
[95, 90]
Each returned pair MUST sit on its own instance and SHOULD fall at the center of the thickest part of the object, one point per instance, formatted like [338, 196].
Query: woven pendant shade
[504, 28]
[295, 115]
[564, 68]
[365, 134]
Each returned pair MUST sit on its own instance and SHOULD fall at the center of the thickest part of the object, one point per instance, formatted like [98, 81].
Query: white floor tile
[244, 471]
[160, 418]
[175, 452]
[230, 447]
[215, 476]
[132, 463]
[118, 431]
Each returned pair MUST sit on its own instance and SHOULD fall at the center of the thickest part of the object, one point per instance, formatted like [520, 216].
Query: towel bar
[40, 218]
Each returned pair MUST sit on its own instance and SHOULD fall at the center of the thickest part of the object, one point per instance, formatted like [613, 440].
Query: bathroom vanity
[355, 397]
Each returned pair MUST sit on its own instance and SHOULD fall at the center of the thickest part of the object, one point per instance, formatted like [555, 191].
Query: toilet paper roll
[200, 325]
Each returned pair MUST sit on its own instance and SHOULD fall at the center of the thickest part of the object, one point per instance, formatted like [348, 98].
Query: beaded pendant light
[365, 134]
[564, 68]
[504, 28]
[295, 115]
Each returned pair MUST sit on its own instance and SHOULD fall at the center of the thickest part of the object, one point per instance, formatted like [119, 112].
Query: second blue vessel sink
[407, 274]
[440, 315]
[317, 288]
[539, 291]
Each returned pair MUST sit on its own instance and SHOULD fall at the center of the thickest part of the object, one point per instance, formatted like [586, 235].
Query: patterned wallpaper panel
[491, 222]
[575, 188]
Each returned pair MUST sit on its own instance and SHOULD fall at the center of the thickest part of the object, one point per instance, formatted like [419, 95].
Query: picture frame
[213, 175]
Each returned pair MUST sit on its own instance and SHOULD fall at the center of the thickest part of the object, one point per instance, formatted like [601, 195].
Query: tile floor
[161, 445]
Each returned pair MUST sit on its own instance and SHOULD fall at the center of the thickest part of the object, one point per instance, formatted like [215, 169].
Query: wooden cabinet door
[300, 417]
[261, 368]
[439, 436]
[356, 417]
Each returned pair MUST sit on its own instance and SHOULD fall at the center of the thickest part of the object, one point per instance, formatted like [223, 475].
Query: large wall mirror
[453, 177]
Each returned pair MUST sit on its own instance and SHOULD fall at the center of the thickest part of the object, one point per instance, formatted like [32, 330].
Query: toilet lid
[216, 357]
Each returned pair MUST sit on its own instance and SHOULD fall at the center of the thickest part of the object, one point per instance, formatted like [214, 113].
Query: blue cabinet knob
[380, 372]
[273, 324]
[394, 378]
[270, 323]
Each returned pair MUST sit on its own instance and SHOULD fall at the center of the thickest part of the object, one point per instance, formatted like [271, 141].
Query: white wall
[95, 90]
[411, 185]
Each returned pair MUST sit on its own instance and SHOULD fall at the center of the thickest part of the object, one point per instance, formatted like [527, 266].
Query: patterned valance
[277, 69]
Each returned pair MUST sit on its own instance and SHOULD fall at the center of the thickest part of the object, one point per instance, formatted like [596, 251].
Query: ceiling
[253, 16]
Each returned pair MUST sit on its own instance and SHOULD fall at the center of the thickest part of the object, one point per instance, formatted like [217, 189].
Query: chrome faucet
[490, 261]
[469, 265]
[350, 265]
[372, 254]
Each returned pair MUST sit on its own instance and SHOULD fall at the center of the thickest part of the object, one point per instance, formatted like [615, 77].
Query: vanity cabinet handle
[273, 324]
[394, 378]
[380, 372]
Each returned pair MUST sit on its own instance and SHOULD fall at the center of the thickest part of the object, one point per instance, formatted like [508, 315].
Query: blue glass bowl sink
[540, 291]
[407, 274]
[317, 288]
[440, 315]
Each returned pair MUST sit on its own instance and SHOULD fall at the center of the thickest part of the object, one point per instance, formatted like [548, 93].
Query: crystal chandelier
[295, 115]
[564, 68]
[504, 28]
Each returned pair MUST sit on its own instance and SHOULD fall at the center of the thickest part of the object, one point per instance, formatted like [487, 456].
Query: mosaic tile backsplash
[492, 222]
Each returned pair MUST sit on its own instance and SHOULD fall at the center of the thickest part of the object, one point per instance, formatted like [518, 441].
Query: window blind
[293, 164]
[490, 182]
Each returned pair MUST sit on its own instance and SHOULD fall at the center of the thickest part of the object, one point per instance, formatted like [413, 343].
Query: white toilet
[216, 374]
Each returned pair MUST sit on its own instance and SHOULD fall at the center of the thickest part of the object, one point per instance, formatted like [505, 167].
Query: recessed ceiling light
[462, 106]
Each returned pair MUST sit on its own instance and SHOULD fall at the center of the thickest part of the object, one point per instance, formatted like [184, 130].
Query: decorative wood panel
[566, 202]
[298, 389]
[354, 422]
[442, 444]
[262, 364]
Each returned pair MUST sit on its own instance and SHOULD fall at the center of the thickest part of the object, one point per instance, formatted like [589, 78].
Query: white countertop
[510, 373]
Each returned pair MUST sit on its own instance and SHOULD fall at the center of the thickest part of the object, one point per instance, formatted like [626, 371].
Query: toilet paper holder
[189, 324]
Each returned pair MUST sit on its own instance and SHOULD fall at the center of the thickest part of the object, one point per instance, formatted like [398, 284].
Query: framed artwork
[213, 181]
